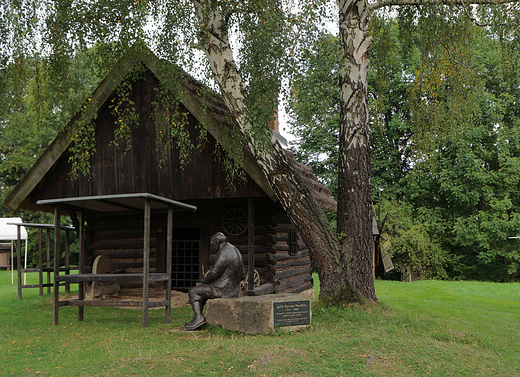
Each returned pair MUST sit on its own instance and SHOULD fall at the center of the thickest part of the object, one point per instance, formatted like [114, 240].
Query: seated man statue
[222, 280]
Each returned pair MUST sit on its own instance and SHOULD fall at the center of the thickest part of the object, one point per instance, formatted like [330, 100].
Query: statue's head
[216, 240]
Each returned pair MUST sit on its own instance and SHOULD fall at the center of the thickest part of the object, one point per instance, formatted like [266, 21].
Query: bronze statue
[222, 281]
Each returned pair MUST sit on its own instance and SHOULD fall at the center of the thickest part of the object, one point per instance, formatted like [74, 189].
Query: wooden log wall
[263, 245]
[289, 273]
[121, 238]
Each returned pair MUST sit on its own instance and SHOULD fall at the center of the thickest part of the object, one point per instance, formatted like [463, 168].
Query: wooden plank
[144, 89]
[121, 244]
[96, 171]
[48, 255]
[109, 164]
[279, 247]
[121, 254]
[125, 168]
[305, 261]
[19, 260]
[264, 289]
[75, 278]
[40, 260]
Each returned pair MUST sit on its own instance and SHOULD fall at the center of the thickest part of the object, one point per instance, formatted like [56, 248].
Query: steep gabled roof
[208, 109]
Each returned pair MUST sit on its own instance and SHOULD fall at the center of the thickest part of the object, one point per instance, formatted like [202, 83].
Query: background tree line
[445, 142]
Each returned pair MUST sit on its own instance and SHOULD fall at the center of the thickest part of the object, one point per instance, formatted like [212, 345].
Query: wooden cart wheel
[234, 221]
[102, 265]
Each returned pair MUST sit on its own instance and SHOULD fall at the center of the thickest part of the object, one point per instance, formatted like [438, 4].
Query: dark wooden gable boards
[115, 172]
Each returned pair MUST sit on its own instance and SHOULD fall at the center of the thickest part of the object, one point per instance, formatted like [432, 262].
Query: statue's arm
[217, 270]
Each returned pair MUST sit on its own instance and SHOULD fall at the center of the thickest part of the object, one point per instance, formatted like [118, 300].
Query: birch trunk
[292, 192]
[354, 191]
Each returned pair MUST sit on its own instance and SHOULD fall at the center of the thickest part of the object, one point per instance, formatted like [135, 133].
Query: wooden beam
[81, 285]
[169, 246]
[40, 260]
[56, 286]
[48, 255]
[146, 260]
[251, 247]
[19, 260]
[67, 260]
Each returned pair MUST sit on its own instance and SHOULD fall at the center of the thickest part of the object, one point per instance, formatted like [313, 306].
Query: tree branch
[385, 3]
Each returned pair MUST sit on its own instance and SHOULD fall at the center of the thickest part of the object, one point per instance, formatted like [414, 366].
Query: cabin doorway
[185, 258]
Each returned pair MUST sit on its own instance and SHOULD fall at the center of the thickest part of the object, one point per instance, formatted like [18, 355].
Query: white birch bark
[354, 191]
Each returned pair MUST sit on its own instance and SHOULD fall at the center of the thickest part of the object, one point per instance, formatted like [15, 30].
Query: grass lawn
[429, 328]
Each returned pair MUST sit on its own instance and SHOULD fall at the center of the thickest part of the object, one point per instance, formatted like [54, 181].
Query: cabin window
[293, 242]
[185, 258]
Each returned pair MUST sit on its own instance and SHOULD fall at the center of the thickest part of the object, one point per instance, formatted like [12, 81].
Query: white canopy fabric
[9, 232]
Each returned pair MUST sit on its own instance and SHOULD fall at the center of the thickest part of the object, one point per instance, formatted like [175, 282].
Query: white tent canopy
[9, 232]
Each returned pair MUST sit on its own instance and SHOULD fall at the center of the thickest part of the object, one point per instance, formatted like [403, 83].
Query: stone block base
[260, 314]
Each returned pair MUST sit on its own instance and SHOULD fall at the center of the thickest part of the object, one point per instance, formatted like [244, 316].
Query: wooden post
[67, 260]
[373, 258]
[19, 260]
[146, 260]
[56, 286]
[81, 265]
[169, 241]
[251, 248]
[40, 260]
[48, 261]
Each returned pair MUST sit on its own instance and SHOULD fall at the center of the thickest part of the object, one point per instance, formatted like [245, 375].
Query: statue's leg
[198, 296]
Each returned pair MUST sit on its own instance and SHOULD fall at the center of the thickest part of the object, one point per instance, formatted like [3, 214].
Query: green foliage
[390, 85]
[266, 35]
[411, 243]
[36, 109]
[443, 96]
[314, 103]
[473, 176]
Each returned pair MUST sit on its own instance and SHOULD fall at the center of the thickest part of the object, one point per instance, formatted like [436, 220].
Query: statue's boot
[198, 319]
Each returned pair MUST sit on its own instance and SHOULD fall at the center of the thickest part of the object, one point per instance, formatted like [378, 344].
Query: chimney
[274, 123]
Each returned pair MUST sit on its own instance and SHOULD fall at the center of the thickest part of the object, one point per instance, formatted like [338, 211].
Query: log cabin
[246, 211]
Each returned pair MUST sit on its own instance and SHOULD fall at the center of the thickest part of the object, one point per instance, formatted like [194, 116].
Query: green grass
[429, 328]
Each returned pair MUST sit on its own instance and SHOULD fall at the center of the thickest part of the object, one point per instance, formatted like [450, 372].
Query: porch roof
[120, 203]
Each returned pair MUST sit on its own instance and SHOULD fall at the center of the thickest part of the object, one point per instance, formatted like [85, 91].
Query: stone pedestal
[260, 314]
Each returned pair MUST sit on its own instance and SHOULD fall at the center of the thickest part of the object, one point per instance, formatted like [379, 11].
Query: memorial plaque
[292, 313]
